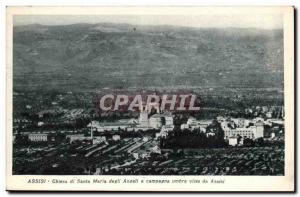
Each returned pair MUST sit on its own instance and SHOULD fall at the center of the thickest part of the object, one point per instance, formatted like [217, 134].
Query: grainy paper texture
[150, 98]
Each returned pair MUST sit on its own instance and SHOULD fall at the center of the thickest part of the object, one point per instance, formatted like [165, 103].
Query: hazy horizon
[198, 21]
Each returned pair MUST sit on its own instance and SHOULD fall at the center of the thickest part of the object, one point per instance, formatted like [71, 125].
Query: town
[149, 141]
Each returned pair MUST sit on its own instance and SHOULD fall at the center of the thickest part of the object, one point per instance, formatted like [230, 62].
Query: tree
[260, 141]
[248, 142]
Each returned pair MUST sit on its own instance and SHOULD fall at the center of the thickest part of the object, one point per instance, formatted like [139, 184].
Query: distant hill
[94, 56]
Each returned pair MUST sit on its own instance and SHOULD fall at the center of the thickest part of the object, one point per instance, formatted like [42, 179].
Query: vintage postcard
[150, 99]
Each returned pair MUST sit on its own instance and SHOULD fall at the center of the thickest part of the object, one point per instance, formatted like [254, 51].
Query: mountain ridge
[80, 56]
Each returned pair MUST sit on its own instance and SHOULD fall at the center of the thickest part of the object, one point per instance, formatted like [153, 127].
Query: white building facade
[38, 137]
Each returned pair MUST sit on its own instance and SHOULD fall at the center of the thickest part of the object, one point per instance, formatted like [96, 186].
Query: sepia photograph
[150, 98]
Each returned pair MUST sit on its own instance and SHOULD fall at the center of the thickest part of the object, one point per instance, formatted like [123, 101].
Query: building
[244, 128]
[169, 121]
[240, 122]
[210, 134]
[116, 137]
[144, 123]
[269, 114]
[155, 121]
[259, 132]
[192, 124]
[242, 132]
[28, 106]
[111, 126]
[81, 137]
[184, 126]
[75, 137]
[251, 132]
[40, 124]
[98, 139]
[143, 118]
[38, 137]
[233, 141]
[141, 154]
[167, 128]
[162, 134]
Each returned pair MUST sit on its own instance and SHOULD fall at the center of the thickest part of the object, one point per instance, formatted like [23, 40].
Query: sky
[201, 21]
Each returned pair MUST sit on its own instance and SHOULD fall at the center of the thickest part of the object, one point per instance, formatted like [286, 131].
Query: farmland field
[113, 159]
